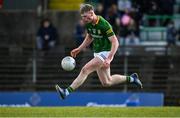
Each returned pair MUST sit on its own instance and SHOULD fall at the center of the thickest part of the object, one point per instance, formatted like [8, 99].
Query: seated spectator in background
[46, 35]
[128, 32]
[124, 22]
[79, 33]
[171, 34]
[132, 39]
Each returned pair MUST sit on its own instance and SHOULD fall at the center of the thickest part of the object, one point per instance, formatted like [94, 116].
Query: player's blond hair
[85, 8]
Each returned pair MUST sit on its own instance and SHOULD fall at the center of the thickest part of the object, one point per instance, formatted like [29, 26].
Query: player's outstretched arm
[87, 41]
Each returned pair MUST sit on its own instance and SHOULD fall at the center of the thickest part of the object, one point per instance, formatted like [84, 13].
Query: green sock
[70, 89]
[128, 79]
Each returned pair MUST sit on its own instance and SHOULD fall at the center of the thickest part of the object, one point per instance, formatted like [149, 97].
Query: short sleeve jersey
[100, 33]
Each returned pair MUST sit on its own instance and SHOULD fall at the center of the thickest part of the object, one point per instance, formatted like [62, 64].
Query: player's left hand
[74, 52]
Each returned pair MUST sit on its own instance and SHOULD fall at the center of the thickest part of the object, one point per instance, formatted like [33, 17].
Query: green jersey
[100, 33]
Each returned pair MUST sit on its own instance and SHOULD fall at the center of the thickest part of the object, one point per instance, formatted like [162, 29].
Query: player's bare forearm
[114, 47]
[87, 41]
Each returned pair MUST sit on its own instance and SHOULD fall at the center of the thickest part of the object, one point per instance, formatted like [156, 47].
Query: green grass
[90, 112]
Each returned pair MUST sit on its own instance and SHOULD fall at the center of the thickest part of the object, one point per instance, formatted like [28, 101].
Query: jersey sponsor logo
[109, 31]
[96, 36]
[94, 31]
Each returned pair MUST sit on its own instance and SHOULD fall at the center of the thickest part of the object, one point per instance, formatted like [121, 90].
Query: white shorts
[102, 55]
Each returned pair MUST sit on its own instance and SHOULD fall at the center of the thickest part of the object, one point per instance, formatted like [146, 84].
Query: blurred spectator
[154, 9]
[124, 22]
[132, 26]
[113, 18]
[124, 4]
[128, 28]
[171, 34]
[100, 10]
[107, 4]
[132, 39]
[79, 33]
[46, 35]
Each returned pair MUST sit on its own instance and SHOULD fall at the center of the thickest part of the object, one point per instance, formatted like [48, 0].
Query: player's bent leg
[134, 79]
[107, 80]
[85, 71]
[103, 77]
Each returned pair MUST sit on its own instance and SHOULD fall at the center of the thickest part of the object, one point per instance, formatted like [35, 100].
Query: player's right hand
[74, 52]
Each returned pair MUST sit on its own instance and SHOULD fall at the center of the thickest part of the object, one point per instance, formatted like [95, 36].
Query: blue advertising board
[118, 99]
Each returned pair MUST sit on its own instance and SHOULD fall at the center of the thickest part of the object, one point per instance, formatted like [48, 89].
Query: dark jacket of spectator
[171, 33]
[46, 35]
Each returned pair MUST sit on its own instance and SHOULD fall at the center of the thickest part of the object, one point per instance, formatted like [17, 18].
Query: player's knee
[84, 70]
[106, 84]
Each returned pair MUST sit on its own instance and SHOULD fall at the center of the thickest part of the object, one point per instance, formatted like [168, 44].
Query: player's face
[87, 17]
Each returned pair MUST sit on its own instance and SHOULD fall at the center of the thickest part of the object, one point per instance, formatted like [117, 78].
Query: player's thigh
[103, 74]
[92, 65]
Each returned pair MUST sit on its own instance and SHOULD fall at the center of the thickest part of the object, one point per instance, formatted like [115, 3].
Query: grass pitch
[90, 112]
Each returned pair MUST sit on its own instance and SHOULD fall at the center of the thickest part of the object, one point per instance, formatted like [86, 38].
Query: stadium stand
[23, 68]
